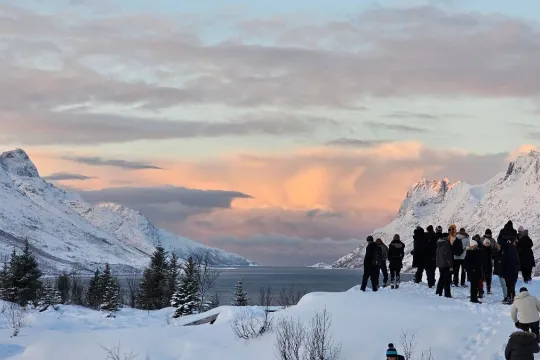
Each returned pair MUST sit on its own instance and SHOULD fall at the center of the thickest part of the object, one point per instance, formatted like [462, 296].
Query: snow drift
[67, 233]
[513, 195]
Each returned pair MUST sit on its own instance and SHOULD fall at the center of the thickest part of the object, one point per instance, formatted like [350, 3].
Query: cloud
[396, 127]
[66, 176]
[350, 142]
[408, 115]
[123, 164]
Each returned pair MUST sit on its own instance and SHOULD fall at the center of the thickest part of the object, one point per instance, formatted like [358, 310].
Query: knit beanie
[429, 228]
[369, 238]
[488, 232]
[439, 229]
[391, 350]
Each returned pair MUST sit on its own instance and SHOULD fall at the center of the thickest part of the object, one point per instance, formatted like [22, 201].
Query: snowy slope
[514, 195]
[454, 329]
[68, 233]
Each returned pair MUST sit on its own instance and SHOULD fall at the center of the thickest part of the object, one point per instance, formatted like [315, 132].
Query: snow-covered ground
[364, 323]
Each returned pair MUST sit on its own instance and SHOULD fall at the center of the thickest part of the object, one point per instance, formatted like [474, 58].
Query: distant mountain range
[68, 233]
[512, 195]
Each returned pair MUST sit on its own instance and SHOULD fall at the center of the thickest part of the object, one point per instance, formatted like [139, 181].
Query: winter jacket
[524, 247]
[396, 253]
[473, 262]
[444, 253]
[421, 248]
[509, 261]
[521, 346]
[525, 308]
[432, 237]
[487, 266]
[496, 255]
[491, 240]
[370, 254]
[465, 240]
[508, 233]
[384, 249]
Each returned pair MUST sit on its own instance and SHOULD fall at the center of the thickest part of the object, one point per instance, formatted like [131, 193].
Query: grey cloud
[66, 176]
[408, 115]
[359, 143]
[314, 213]
[123, 164]
[395, 127]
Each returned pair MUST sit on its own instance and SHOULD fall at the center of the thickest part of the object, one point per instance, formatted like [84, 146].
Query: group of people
[458, 257]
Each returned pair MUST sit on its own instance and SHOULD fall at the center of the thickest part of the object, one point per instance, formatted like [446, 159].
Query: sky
[284, 131]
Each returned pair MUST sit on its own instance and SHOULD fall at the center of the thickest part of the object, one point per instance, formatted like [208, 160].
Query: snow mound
[512, 195]
[363, 323]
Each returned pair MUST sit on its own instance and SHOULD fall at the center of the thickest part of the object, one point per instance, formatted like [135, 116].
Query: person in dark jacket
[444, 262]
[488, 235]
[497, 256]
[431, 265]
[371, 269]
[487, 269]
[478, 240]
[396, 253]
[473, 265]
[526, 256]
[521, 346]
[383, 266]
[420, 253]
[509, 258]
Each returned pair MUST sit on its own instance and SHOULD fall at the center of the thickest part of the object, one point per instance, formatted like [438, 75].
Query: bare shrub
[319, 342]
[16, 317]
[427, 355]
[250, 325]
[266, 296]
[116, 353]
[290, 296]
[206, 275]
[290, 336]
[409, 344]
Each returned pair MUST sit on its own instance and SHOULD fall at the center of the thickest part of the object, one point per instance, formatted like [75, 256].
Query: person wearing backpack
[384, 268]
[444, 262]
[396, 253]
[460, 244]
[372, 262]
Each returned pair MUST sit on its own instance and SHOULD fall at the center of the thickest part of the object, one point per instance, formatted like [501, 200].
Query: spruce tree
[63, 284]
[172, 277]
[240, 296]
[4, 280]
[50, 296]
[154, 285]
[186, 298]
[25, 274]
[95, 293]
[109, 286]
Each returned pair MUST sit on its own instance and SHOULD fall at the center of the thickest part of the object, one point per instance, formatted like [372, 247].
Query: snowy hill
[513, 195]
[321, 265]
[68, 233]
[454, 329]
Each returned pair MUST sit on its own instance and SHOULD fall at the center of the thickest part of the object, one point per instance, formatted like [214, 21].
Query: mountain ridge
[68, 233]
[511, 195]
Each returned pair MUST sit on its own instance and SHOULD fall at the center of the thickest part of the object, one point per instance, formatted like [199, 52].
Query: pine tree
[50, 296]
[172, 276]
[95, 292]
[4, 280]
[154, 286]
[186, 298]
[240, 296]
[25, 274]
[109, 286]
[63, 284]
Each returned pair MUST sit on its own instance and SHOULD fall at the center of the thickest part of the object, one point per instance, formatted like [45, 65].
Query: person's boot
[476, 301]
[392, 283]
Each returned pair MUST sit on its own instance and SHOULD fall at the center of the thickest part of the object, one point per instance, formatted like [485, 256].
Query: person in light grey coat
[459, 256]
[525, 311]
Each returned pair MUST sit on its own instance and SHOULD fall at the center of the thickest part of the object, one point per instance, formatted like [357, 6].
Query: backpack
[457, 247]
[378, 258]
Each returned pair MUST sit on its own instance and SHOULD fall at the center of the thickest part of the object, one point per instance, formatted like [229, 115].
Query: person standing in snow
[396, 253]
[372, 262]
[525, 311]
[392, 354]
[459, 247]
[452, 232]
[488, 236]
[497, 270]
[522, 345]
[509, 258]
[487, 268]
[432, 237]
[473, 265]
[477, 240]
[420, 253]
[526, 255]
[444, 262]
[384, 268]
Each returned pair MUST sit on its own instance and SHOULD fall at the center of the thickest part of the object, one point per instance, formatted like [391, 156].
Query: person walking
[444, 262]
[473, 265]
[525, 311]
[420, 253]
[372, 263]
[459, 247]
[431, 265]
[396, 253]
[526, 255]
[487, 268]
[384, 268]
[522, 345]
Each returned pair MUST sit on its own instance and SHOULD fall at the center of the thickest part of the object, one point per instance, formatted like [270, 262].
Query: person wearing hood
[525, 311]
[497, 270]
[459, 247]
[488, 236]
[487, 268]
[432, 237]
[396, 253]
[473, 265]
[526, 255]
[444, 262]
[383, 266]
[420, 253]
[522, 345]
[372, 262]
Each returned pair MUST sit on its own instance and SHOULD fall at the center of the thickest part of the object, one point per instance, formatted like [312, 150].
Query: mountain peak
[18, 163]
[437, 186]
[523, 163]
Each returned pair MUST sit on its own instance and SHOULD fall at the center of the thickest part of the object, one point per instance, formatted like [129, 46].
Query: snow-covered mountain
[513, 195]
[68, 233]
